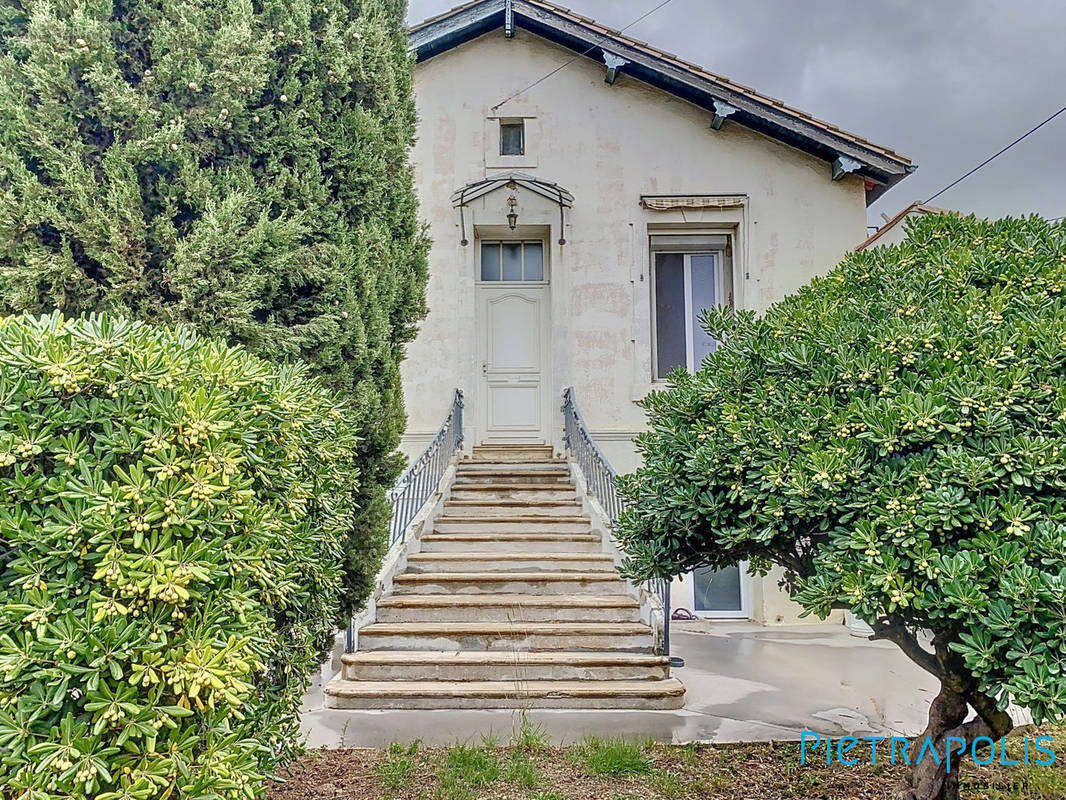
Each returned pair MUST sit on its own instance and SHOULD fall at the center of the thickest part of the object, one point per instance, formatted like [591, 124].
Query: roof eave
[460, 25]
[468, 22]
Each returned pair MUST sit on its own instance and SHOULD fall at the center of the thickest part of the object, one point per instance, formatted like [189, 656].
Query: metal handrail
[419, 482]
[600, 479]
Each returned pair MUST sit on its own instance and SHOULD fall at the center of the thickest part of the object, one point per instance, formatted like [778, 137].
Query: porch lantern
[512, 213]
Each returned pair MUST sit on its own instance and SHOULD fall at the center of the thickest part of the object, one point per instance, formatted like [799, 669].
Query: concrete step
[511, 542]
[633, 637]
[510, 508]
[465, 665]
[510, 453]
[545, 480]
[521, 447]
[525, 523]
[598, 582]
[507, 608]
[492, 493]
[553, 466]
[508, 562]
[650, 695]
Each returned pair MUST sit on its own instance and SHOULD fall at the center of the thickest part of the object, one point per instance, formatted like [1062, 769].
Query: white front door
[514, 323]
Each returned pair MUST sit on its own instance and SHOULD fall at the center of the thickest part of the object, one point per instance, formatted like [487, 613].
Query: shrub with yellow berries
[893, 438]
[172, 512]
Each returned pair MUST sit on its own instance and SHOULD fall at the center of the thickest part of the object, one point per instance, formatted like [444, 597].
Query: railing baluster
[600, 482]
[418, 483]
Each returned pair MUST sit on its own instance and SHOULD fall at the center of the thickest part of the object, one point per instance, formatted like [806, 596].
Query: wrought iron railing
[600, 479]
[419, 481]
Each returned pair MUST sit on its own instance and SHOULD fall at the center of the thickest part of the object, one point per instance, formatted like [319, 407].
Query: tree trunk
[930, 780]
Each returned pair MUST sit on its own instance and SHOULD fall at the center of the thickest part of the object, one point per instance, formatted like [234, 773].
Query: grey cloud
[946, 82]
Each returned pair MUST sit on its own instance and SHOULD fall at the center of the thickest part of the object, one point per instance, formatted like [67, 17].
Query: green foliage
[614, 757]
[529, 736]
[894, 437]
[238, 167]
[474, 766]
[171, 514]
[397, 771]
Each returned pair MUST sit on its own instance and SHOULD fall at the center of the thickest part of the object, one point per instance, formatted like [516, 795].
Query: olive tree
[893, 437]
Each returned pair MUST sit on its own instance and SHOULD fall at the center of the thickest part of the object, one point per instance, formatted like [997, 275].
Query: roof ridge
[754, 93]
[774, 105]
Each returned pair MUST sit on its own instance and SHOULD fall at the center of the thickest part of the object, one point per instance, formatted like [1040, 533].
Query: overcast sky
[945, 82]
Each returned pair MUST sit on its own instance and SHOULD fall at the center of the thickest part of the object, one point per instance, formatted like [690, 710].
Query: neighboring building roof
[916, 207]
[847, 152]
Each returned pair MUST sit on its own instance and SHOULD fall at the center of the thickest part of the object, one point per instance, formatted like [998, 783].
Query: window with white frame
[688, 275]
[517, 260]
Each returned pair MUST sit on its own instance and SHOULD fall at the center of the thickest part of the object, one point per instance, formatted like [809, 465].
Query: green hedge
[893, 437]
[171, 513]
[238, 167]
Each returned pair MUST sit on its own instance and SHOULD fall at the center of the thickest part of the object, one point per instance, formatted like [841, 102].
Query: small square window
[512, 137]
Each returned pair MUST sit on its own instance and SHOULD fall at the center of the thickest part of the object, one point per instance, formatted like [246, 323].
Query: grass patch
[473, 766]
[529, 736]
[614, 757]
[667, 783]
[521, 770]
[526, 768]
[397, 770]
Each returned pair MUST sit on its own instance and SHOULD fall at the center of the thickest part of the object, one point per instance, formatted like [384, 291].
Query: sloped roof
[881, 166]
[917, 207]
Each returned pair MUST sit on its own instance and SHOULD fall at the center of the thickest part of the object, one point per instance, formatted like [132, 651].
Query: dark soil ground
[526, 769]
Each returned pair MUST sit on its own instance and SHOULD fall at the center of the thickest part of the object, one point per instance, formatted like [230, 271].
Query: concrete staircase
[510, 603]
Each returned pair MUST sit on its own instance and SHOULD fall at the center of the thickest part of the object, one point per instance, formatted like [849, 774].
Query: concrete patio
[744, 683]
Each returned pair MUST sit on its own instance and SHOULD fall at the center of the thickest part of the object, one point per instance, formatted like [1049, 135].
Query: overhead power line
[561, 67]
[996, 155]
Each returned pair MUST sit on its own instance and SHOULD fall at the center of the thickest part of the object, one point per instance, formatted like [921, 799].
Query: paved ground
[744, 683]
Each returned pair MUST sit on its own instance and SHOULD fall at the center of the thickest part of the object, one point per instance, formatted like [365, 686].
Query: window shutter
[682, 243]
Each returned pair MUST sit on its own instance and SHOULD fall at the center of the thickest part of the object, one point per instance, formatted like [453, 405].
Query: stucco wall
[608, 145]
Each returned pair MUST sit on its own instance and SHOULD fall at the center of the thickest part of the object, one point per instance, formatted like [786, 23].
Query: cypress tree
[234, 165]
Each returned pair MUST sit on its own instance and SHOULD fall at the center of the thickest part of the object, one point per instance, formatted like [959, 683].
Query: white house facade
[587, 195]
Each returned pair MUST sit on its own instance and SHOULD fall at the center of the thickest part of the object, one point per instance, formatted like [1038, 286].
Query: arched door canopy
[511, 180]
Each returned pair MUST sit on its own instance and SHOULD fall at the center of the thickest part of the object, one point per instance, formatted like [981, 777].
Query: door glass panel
[703, 268]
[490, 261]
[512, 261]
[534, 261]
[670, 345]
[717, 589]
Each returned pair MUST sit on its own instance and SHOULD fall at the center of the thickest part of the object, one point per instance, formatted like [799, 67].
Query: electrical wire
[601, 40]
[996, 155]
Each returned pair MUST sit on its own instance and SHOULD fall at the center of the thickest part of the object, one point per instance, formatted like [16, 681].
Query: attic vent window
[512, 137]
